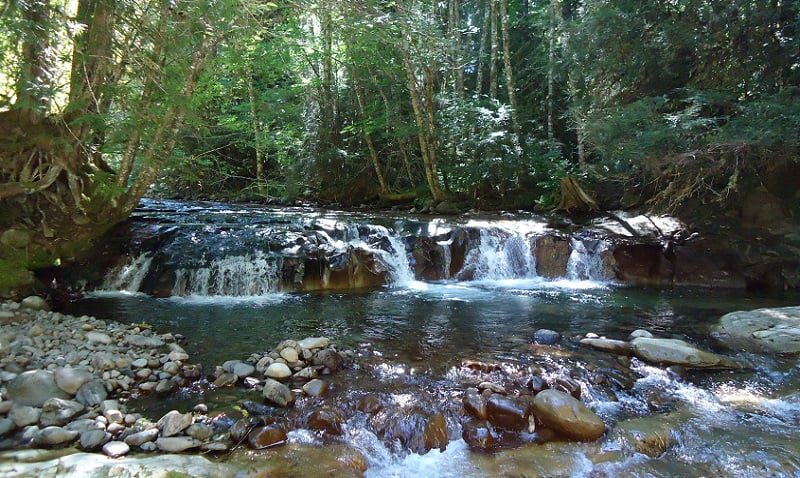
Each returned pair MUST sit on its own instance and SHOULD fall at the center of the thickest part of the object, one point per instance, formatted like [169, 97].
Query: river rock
[620, 347]
[142, 437]
[174, 422]
[508, 413]
[474, 404]
[329, 358]
[327, 420]
[267, 436]
[479, 435]
[94, 439]
[92, 393]
[143, 341]
[640, 333]
[546, 337]
[289, 354]
[35, 302]
[33, 388]
[7, 425]
[98, 337]
[139, 363]
[567, 416]
[762, 330]
[308, 373]
[24, 416]
[243, 370]
[200, 431]
[116, 449]
[316, 388]
[678, 352]
[314, 343]
[177, 444]
[278, 370]
[57, 411]
[277, 393]
[52, 436]
[71, 379]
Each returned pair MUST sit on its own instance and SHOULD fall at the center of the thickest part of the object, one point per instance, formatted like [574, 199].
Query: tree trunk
[482, 47]
[362, 109]
[422, 128]
[493, 53]
[550, 68]
[260, 180]
[33, 81]
[512, 96]
[456, 54]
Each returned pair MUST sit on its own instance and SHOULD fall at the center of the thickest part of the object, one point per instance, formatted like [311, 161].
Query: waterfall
[587, 263]
[502, 256]
[129, 277]
[247, 275]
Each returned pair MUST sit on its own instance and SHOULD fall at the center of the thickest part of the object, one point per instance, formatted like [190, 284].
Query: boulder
[267, 436]
[761, 330]
[243, 370]
[289, 354]
[57, 411]
[7, 425]
[474, 404]
[567, 416]
[92, 393]
[277, 393]
[94, 439]
[144, 436]
[177, 444]
[620, 347]
[174, 422]
[546, 337]
[508, 413]
[316, 388]
[52, 436]
[116, 449]
[70, 380]
[314, 343]
[552, 256]
[33, 388]
[200, 431]
[678, 352]
[35, 302]
[24, 416]
[278, 370]
[479, 435]
[329, 358]
[327, 420]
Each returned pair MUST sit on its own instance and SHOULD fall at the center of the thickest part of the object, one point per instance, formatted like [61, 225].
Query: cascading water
[586, 263]
[501, 255]
[129, 277]
[249, 275]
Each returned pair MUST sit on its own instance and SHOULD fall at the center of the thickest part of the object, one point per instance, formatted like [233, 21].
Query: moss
[14, 274]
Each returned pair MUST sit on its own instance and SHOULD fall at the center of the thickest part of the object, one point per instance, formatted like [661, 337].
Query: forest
[442, 106]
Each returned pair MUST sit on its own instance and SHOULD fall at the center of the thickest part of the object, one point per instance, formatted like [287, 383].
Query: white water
[585, 264]
[129, 277]
[248, 275]
[502, 256]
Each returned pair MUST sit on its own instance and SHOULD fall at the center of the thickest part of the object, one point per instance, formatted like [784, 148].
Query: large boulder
[70, 380]
[33, 388]
[761, 330]
[552, 256]
[678, 352]
[567, 415]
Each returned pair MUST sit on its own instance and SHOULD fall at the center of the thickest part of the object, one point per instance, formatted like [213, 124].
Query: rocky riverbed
[67, 383]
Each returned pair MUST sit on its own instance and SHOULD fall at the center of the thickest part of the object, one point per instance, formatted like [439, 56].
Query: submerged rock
[327, 420]
[546, 337]
[567, 416]
[761, 330]
[609, 345]
[678, 352]
[267, 436]
[474, 404]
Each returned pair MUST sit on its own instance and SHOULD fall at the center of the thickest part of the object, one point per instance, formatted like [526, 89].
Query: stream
[217, 274]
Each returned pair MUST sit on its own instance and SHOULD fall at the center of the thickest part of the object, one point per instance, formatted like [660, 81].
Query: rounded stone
[546, 337]
[33, 388]
[70, 380]
[266, 437]
[278, 371]
[116, 449]
[567, 416]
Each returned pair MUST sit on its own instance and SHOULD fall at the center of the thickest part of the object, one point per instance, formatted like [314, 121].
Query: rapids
[225, 289]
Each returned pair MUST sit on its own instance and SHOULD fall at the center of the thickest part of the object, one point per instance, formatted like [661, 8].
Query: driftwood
[574, 198]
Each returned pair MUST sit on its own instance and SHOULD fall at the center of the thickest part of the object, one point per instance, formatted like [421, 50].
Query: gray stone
[142, 437]
[174, 422]
[277, 393]
[52, 436]
[640, 333]
[70, 379]
[139, 363]
[7, 425]
[546, 337]
[116, 449]
[59, 412]
[762, 330]
[92, 393]
[143, 341]
[94, 439]
[243, 370]
[166, 386]
[313, 343]
[98, 337]
[678, 352]
[33, 388]
[35, 302]
[201, 431]
[289, 354]
[177, 444]
[278, 370]
[609, 345]
[24, 416]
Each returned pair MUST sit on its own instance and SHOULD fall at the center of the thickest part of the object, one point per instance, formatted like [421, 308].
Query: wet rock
[92, 393]
[640, 333]
[201, 431]
[240, 429]
[552, 256]
[536, 384]
[174, 422]
[546, 337]
[316, 388]
[177, 444]
[435, 433]
[326, 420]
[94, 439]
[57, 411]
[492, 387]
[479, 435]
[267, 436]
[52, 436]
[609, 345]
[256, 409]
[370, 404]
[762, 330]
[678, 352]
[70, 380]
[116, 449]
[225, 380]
[329, 358]
[35, 302]
[33, 388]
[243, 370]
[277, 393]
[278, 371]
[314, 343]
[484, 367]
[474, 404]
[24, 416]
[569, 386]
[567, 416]
[508, 413]
[142, 437]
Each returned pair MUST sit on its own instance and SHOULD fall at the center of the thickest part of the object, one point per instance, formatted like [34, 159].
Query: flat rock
[313, 343]
[98, 337]
[762, 330]
[567, 415]
[144, 436]
[94, 439]
[143, 341]
[116, 449]
[678, 352]
[70, 380]
[243, 370]
[52, 436]
[177, 444]
[174, 422]
[620, 347]
[33, 388]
